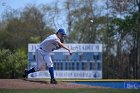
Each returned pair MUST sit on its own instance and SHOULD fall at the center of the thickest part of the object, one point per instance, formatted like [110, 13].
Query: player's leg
[41, 65]
[49, 62]
[26, 72]
[39, 59]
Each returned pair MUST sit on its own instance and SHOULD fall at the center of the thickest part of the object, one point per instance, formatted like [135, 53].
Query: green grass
[70, 91]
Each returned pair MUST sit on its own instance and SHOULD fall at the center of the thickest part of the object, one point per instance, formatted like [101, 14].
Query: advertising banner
[68, 74]
[132, 85]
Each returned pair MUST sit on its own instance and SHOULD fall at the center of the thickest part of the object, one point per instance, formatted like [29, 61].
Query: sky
[16, 4]
[20, 4]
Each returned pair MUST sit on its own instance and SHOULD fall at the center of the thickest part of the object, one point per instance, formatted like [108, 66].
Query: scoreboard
[85, 62]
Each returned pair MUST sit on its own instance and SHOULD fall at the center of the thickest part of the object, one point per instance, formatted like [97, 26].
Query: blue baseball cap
[62, 31]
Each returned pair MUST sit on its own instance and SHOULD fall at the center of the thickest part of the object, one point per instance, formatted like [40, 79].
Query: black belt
[41, 49]
[44, 50]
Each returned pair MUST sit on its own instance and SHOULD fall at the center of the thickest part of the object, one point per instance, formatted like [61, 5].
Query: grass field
[70, 91]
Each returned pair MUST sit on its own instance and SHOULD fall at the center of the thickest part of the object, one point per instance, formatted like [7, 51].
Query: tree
[32, 19]
[79, 21]
[127, 27]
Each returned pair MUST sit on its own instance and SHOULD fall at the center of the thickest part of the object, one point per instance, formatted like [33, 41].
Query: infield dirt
[31, 84]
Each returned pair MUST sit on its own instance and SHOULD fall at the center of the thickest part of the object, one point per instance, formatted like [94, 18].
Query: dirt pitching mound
[31, 84]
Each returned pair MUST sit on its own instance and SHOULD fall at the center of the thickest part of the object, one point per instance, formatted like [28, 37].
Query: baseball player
[52, 42]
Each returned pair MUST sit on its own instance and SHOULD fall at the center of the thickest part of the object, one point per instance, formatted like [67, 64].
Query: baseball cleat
[25, 73]
[53, 81]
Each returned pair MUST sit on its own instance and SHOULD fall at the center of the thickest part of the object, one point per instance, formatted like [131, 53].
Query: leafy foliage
[12, 64]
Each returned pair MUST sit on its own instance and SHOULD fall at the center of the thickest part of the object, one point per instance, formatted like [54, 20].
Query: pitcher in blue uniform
[52, 42]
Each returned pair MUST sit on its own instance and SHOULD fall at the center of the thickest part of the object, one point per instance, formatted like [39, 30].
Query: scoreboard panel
[85, 62]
